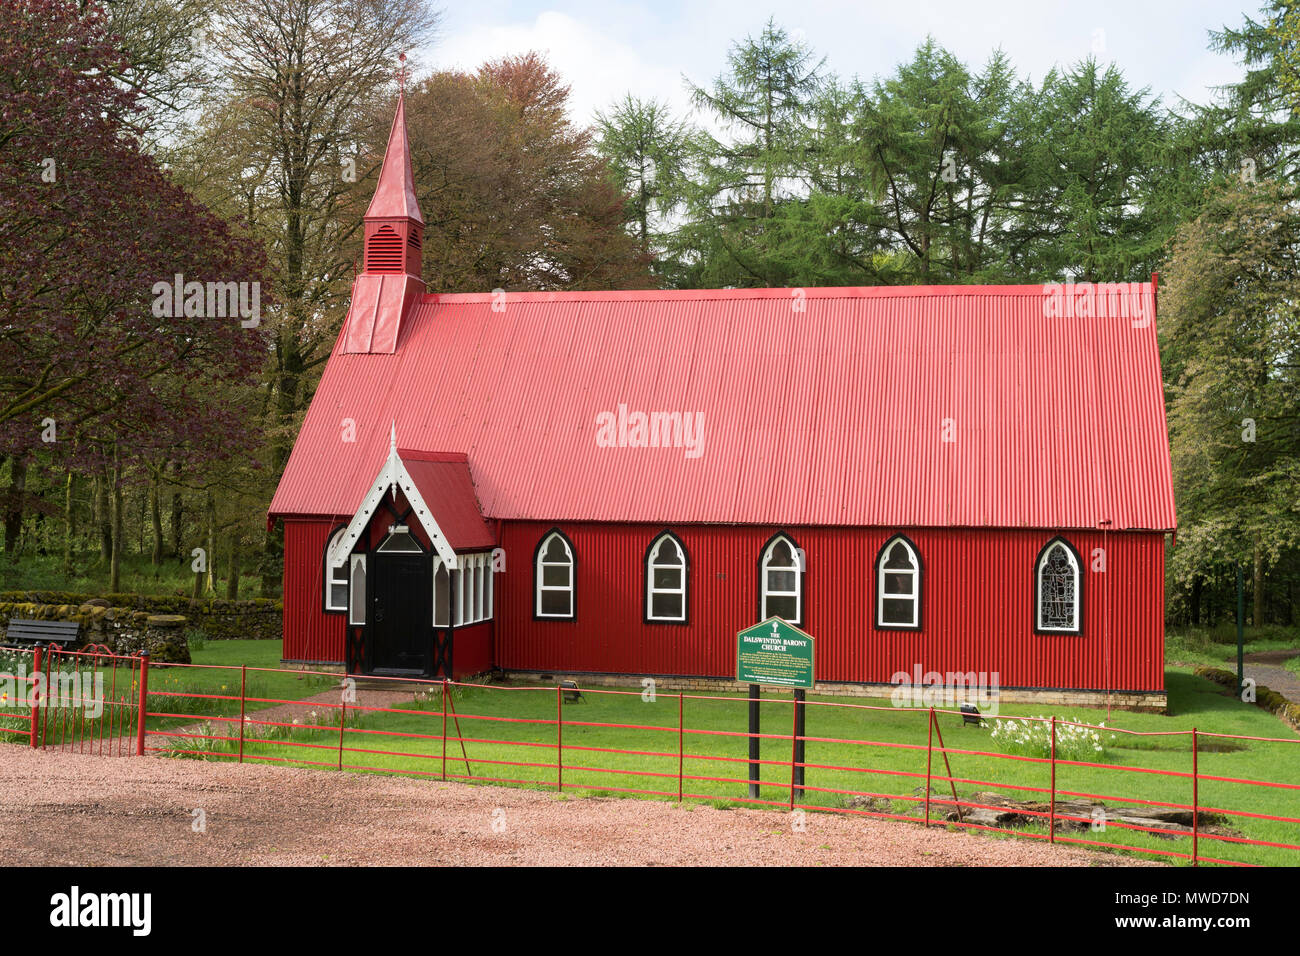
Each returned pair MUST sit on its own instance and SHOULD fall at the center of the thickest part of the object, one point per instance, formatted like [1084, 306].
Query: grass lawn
[271, 683]
[509, 734]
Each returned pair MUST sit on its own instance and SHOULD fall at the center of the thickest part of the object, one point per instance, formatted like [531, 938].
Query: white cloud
[598, 68]
[606, 48]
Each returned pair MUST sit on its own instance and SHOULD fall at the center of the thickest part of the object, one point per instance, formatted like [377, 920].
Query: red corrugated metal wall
[309, 633]
[976, 606]
[472, 650]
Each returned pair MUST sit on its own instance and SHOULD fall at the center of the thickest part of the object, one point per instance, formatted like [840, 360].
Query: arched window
[478, 587]
[666, 572]
[357, 597]
[1058, 589]
[335, 579]
[780, 581]
[898, 586]
[553, 577]
[465, 610]
[441, 593]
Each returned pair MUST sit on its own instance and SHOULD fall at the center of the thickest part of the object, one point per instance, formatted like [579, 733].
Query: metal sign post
[753, 741]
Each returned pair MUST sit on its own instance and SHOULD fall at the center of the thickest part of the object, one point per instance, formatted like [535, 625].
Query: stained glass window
[1058, 589]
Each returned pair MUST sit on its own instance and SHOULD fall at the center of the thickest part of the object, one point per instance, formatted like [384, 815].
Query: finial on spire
[392, 439]
[402, 73]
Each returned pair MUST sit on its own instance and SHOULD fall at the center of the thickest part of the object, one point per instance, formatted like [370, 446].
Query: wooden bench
[569, 688]
[63, 633]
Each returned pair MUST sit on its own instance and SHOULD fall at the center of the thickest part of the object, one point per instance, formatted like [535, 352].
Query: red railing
[243, 724]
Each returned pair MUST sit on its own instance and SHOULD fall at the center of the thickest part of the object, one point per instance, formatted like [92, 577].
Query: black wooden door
[401, 612]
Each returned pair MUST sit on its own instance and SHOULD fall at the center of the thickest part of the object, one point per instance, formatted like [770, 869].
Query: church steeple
[394, 225]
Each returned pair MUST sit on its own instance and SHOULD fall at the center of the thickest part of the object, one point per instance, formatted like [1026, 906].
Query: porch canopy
[439, 488]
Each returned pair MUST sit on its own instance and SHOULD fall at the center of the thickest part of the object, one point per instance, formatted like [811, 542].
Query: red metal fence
[526, 744]
[84, 701]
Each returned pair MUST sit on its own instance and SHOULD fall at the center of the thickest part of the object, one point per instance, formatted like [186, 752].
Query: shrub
[1033, 738]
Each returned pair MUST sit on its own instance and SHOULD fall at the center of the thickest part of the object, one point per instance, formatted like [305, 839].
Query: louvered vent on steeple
[384, 252]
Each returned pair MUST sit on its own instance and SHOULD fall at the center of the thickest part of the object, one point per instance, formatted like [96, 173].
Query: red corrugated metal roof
[833, 415]
[444, 483]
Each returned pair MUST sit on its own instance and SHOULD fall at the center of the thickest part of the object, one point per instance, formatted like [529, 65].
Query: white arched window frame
[479, 596]
[554, 595]
[469, 582]
[667, 571]
[458, 591]
[442, 583]
[467, 588]
[336, 579]
[898, 586]
[781, 574]
[1058, 589]
[357, 590]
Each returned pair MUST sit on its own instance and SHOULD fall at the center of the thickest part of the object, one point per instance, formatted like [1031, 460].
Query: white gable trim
[392, 476]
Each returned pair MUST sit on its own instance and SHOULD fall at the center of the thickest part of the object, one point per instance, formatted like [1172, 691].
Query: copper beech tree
[95, 371]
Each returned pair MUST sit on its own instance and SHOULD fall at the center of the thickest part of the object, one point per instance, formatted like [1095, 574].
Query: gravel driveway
[1266, 668]
[69, 809]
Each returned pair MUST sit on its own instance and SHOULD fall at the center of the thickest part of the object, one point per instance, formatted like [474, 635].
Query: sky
[606, 48]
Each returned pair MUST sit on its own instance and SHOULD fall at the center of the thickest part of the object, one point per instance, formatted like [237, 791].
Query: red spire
[395, 195]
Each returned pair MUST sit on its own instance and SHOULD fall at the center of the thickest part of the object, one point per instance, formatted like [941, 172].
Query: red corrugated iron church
[944, 479]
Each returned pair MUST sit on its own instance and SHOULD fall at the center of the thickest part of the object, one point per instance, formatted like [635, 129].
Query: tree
[765, 102]
[1096, 157]
[937, 148]
[1229, 344]
[1253, 129]
[279, 145]
[97, 375]
[648, 151]
[512, 194]
[92, 225]
[162, 44]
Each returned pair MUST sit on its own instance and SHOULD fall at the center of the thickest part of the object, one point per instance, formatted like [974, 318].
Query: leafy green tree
[648, 151]
[765, 105]
[1230, 338]
[936, 145]
[1096, 153]
[165, 61]
[278, 143]
[1253, 129]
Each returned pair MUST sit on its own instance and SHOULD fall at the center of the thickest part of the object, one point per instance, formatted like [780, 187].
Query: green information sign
[775, 653]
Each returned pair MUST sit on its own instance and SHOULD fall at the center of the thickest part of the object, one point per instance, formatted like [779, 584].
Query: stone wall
[217, 619]
[122, 630]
